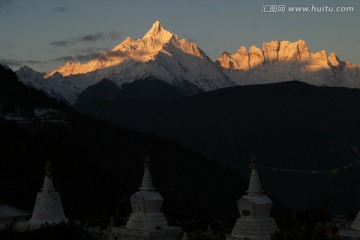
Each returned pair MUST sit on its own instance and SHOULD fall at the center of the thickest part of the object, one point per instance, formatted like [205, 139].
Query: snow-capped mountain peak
[151, 42]
[158, 33]
[280, 61]
[181, 63]
[159, 53]
[145, 49]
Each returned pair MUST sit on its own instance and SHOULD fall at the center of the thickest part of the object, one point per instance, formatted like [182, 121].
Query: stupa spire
[254, 183]
[254, 208]
[146, 221]
[48, 182]
[147, 184]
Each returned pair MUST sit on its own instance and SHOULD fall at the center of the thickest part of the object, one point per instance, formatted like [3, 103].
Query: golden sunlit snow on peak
[159, 33]
[156, 40]
[273, 51]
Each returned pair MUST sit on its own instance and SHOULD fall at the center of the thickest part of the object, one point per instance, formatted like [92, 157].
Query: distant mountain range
[159, 53]
[280, 61]
[183, 64]
[304, 135]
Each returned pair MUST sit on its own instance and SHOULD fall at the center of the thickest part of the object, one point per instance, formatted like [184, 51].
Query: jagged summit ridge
[144, 49]
[271, 52]
[152, 41]
[279, 61]
[158, 32]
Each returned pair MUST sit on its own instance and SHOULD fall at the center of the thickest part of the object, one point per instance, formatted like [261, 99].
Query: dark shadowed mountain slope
[98, 166]
[15, 96]
[148, 88]
[104, 90]
[290, 126]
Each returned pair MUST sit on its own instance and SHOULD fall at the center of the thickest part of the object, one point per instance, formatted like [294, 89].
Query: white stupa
[354, 231]
[356, 224]
[48, 208]
[254, 222]
[147, 221]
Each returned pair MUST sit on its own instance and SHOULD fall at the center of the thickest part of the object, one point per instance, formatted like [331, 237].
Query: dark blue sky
[44, 34]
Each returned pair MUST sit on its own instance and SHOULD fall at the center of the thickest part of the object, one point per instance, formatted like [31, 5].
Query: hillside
[98, 166]
[304, 135]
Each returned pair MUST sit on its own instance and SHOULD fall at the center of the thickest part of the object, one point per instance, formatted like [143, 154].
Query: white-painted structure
[356, 223]
[354, 232]
[48, 208]
[11, 216]
[254, 222]
[147, 221]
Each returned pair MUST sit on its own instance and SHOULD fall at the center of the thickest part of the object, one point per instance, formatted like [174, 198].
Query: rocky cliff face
[283, 61]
